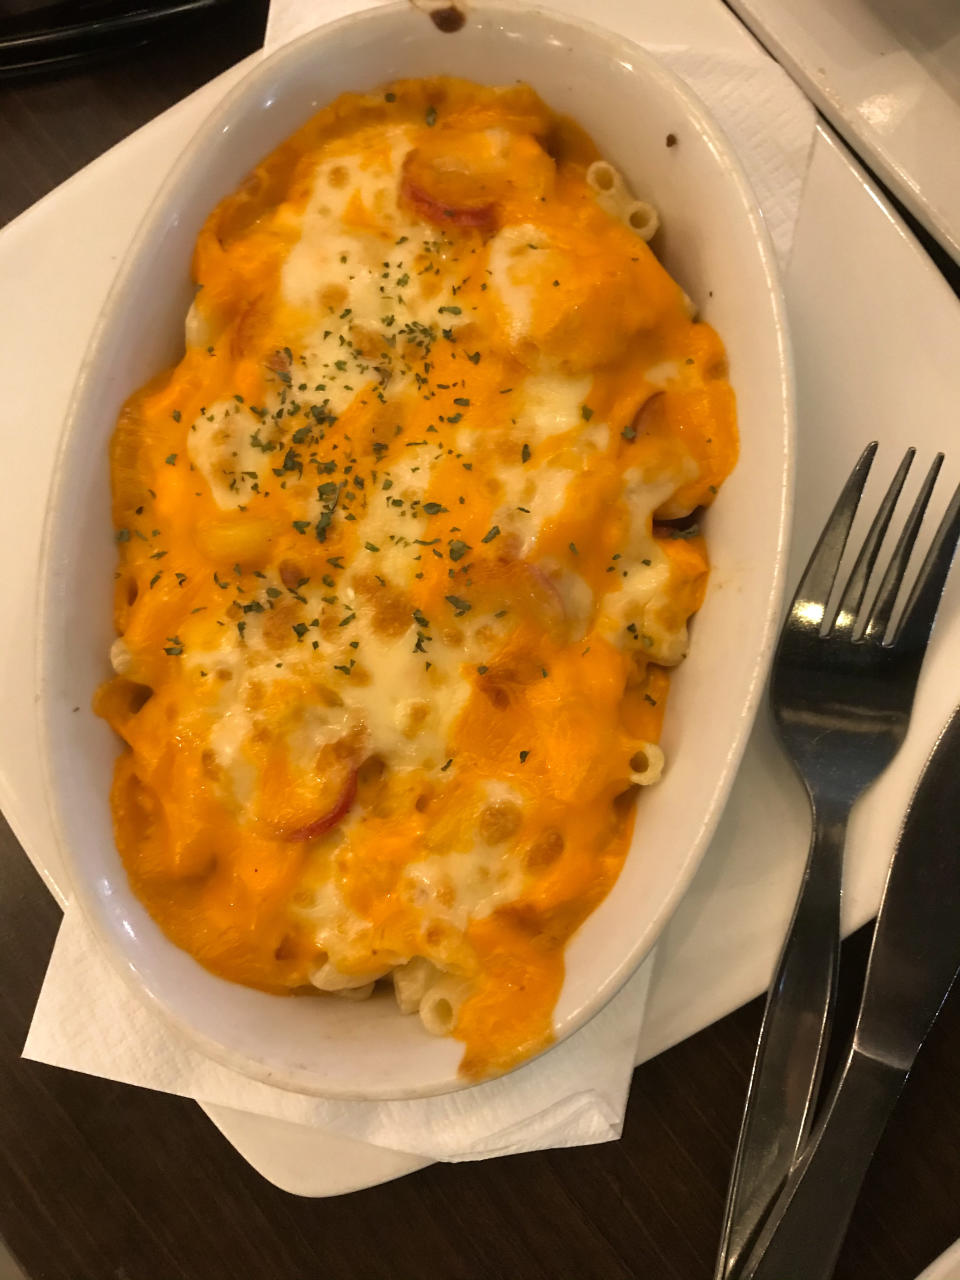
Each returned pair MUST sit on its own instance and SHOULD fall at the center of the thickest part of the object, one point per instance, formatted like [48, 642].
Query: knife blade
[914, 960]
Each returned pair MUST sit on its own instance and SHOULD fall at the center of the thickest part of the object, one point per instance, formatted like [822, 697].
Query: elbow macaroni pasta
[419, 987]
[408, 543]
[440, 1005]
[613, 195]
[647, 764]
[411, 981]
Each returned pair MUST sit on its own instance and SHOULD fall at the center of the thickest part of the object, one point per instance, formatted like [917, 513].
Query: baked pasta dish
[407, 549]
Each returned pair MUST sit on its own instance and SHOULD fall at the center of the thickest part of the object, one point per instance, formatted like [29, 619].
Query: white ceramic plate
[946, 1267]
[886, 73]
[875, 330]
[713, 242]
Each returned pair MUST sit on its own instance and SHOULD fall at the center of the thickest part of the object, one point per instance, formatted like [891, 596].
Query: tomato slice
[324, 821]
[524, 589]
[482, 217]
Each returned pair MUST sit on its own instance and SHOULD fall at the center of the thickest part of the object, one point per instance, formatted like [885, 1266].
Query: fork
[842, 690]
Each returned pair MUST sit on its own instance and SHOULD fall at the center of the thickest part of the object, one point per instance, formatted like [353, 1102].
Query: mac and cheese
[406, 553]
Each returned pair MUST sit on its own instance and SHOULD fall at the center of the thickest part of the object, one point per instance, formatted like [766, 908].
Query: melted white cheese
[350, 292]
[463, 885]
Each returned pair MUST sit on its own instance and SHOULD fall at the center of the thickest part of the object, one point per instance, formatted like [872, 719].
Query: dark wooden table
[103, 1182]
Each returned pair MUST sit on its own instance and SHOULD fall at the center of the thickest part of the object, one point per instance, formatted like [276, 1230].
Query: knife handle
[802, 1238]
[790, 1052]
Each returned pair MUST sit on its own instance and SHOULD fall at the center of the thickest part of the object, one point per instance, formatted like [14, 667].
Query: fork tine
[821, 571]
[856, 588]
[913, 630]
[886, 597]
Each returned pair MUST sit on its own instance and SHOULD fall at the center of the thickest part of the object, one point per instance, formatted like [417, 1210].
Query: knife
[914, 960]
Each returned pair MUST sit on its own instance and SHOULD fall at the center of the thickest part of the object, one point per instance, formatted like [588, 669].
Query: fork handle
[789, 1057]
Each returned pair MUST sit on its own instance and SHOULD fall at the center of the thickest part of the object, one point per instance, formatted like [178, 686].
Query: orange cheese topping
[395, 596]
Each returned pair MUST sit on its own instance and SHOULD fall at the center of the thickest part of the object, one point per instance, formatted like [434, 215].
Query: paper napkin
[87, 1018]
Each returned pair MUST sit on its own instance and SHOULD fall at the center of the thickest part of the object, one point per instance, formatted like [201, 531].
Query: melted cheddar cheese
[398, 590]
